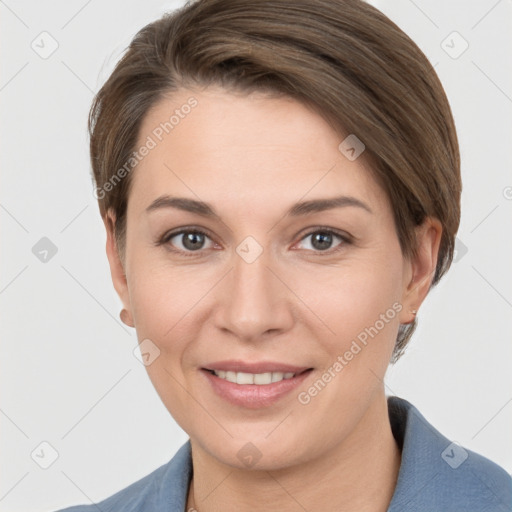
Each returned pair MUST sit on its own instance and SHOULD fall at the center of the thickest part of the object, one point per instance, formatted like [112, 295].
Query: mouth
[254, 385]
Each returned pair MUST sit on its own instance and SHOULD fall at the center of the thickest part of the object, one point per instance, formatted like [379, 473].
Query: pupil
[322, 240]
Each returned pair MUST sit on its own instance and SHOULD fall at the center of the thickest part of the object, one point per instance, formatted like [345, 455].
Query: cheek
[361, 310]
[355, 296]
[163, 301]
[172, 306]
[360, 306]
[164, 313]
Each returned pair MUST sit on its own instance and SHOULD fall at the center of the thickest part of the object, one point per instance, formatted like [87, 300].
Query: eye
[187, 240]
[322, 240]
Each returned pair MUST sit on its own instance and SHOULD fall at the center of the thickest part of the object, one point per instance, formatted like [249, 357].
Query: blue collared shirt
[435, 475]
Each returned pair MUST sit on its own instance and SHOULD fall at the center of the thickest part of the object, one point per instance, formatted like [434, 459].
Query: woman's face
[280, 283]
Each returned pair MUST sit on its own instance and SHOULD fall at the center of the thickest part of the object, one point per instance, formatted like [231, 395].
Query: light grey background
[68, 374]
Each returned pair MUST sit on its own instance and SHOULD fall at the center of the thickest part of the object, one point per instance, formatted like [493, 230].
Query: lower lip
[254, 396]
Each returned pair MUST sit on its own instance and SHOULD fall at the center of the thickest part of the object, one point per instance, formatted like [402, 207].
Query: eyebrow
[304, 208]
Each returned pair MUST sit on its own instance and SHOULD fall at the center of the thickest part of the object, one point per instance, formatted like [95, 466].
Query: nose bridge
[254, 301]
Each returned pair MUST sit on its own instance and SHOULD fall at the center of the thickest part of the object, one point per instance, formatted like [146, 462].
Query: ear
[117, 270]
[421, 268]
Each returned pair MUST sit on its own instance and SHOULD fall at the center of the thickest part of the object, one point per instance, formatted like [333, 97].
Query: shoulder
[163, 489]
[438, 474]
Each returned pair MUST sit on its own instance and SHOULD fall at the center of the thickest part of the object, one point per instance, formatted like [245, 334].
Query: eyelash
[346, 239]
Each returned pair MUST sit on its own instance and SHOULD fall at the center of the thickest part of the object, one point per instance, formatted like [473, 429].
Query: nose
[255, 302]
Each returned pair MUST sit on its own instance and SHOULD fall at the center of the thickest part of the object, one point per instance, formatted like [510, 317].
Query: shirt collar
[438, 474]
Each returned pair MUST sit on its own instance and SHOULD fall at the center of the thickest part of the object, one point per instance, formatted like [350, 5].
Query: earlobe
[126, 318]
[117, 269]
[422, 268]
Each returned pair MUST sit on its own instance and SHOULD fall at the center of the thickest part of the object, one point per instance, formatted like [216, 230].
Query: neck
[359, 475]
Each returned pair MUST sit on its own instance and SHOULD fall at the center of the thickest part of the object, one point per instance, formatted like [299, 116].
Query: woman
[280, 186]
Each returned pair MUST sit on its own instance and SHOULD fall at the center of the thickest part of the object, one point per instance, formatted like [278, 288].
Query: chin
[256, 452]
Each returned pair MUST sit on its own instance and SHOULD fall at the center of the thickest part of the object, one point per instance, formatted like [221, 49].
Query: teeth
[277, 376]
[253, 378]
[244, 378]
[263, 378]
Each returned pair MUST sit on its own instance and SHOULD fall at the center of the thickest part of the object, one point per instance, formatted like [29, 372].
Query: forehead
[219, 146]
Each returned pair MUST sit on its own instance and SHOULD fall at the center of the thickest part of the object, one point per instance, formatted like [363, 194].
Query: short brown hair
[343, 57]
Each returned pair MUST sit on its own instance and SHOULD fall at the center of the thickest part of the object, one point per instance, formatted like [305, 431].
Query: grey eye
[189, 240]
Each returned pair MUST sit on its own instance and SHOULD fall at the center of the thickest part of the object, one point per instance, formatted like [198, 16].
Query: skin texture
[252, 157]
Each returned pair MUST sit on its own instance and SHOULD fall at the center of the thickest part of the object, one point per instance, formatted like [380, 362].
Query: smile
[259, 379]
[254, 385]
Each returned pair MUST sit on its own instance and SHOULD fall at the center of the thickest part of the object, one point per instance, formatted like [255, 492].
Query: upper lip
[255, 367]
